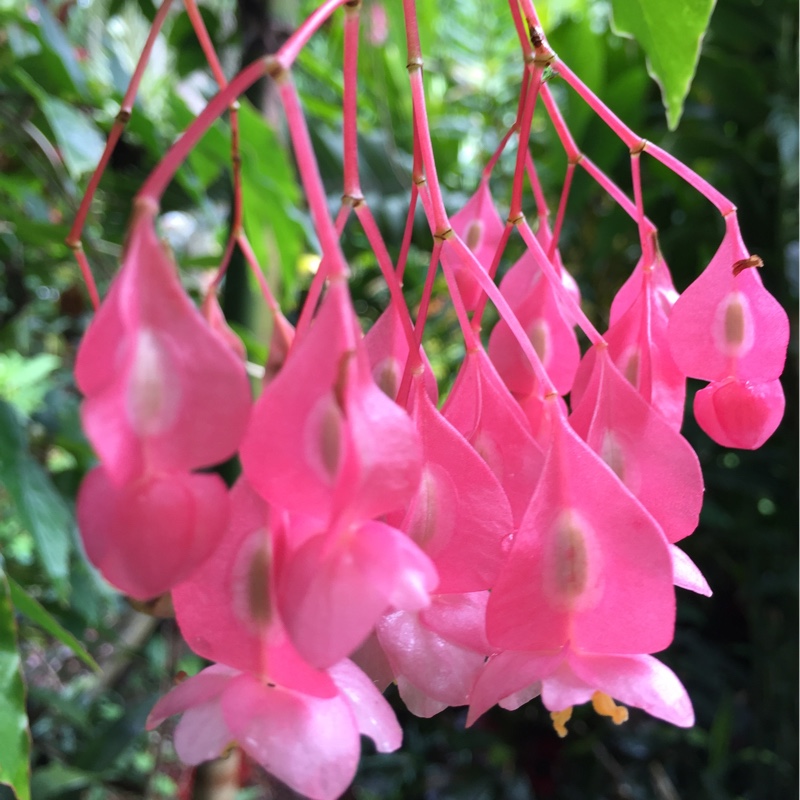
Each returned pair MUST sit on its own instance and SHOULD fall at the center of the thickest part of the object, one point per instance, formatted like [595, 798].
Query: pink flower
[313, 445]
[588, 566]
[149, 534]
[567, 678]
[481, 228]
[726, 328]
[164, 392]
[310, 743]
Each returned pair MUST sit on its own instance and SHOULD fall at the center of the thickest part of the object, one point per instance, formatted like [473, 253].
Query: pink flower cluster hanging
[521, 540]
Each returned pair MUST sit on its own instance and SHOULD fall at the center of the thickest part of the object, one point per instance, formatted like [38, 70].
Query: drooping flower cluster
[507, 545]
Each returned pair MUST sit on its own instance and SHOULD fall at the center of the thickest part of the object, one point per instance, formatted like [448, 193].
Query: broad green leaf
[39, 506]
[79, 139]
[670, 34]
[39, 615]
[15, 741]
[23, 381]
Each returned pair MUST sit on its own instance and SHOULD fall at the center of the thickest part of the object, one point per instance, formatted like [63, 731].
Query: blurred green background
[63, 70]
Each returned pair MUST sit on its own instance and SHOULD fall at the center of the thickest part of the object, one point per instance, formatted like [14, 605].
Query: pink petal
[483, 411]
[387, 348]
[313, 441]
[589, 565]
[637, 680]
[564, 688]
[416, 701]
[440, 669]
[373, 714]
[639, 345]
[163, 391]
[740, 413]
[481, 228]
[228, 611]
[202, 734]
[727, 324]
[148, 536]
[370, 658]
[460, 515]
[212, 313]
[336, 586]
[553, 337]
[507, 673]
[200, 689]
[686, 573]
[309, 743]
[656, 464]
[460, 618]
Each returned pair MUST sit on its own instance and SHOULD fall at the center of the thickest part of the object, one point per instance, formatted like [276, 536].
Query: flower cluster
[505, 546]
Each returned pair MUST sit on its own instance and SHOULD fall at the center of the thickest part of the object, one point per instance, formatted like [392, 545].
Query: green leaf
[39, 615]
[15, 743]
[40, 507]
[23, 381]
[670, 34]
[79, 140]
[56, 779]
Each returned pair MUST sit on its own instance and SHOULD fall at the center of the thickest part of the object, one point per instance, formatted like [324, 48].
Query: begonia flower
[588, 565]
[567, 678]
[313, 441]
[481, 409]
[150, 534]
[310, 743]
[163, 391]
[656, 464]
[481, 228]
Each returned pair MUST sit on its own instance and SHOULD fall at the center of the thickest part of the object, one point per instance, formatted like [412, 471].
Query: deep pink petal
[228, 610]
[589, 565]
[387, 348]
[460, 515]
[740, 413]
[373, 714]
[553, 337]
[481, 228]
[163, 391]
[507, 673]
[483, 411]
[309, 743]
[656, 464]
[323, 435]
[637, 680]
[148, 536]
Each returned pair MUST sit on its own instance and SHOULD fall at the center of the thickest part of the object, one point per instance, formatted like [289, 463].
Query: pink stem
[562, 209]
[524, 137]
[630, 139]
[564, 295]
[717, 199]
[352, 185]
[645, 237]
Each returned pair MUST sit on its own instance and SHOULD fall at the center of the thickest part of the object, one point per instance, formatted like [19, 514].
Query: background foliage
[63, 70]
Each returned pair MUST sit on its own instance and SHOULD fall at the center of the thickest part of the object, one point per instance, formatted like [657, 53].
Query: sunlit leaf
[670, 34]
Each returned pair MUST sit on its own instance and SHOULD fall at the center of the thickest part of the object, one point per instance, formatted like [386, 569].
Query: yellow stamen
[606, 707]
[560, 720]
